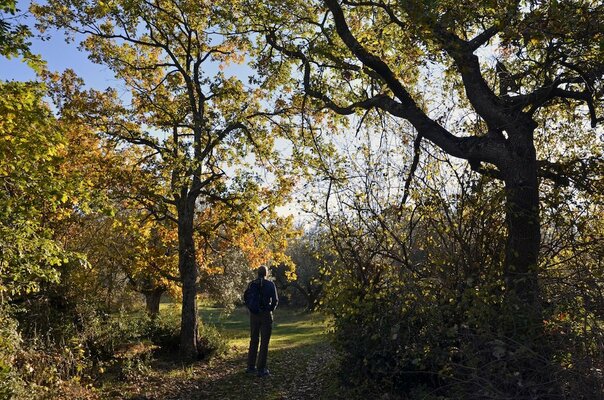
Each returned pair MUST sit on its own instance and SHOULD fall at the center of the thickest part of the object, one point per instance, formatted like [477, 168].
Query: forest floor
[300, 360]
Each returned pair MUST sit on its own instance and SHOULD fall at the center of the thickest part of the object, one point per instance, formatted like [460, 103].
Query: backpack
[253, 297]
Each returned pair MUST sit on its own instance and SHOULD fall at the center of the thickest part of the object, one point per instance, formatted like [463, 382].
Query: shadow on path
[300, 360]
[296, 374]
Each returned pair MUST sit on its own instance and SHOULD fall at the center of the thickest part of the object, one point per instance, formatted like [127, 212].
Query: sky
[60, 55]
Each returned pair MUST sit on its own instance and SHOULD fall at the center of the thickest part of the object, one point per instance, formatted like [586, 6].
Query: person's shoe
[264, 372]
[250, 370]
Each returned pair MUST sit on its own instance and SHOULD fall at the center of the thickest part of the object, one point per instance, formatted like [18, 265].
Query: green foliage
[33, 190]
[419, 300]
[104, 335]
[310, 254]
[81, 346]
[14, 38]
[211, 342]
[227, 282]
[55, 179]
[10, 342]
[573, 281]
[164, 330]
[38, 363]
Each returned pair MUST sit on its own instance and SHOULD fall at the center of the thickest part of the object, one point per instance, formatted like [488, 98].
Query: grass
[298, 350]
[291, 328]
[300, 359]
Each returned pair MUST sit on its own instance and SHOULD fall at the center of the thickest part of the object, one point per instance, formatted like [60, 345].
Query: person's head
[262, 271]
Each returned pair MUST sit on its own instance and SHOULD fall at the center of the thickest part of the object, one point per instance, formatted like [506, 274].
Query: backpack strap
[261, 292]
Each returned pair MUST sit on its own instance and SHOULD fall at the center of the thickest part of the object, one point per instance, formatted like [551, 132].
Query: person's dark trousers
[261, 326]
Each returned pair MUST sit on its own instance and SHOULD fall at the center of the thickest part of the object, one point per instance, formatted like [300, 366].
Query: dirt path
[300, 358]
[296, 374]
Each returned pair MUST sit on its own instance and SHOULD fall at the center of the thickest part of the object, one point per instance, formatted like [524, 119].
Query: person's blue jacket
[269, 299]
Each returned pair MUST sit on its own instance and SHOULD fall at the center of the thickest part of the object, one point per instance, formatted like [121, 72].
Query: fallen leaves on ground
[298, 366]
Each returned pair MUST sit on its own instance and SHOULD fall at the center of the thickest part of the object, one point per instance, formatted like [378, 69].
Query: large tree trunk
[188, 275]
[152, 300]
[522, 319]
[522, 247]
[524, 234]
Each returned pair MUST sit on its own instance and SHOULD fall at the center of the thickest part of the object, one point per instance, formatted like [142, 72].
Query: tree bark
[188, 275]
[524, 233]
[303, 292]
[152, 300]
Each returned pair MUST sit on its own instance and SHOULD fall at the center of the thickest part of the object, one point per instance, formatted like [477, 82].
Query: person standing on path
[261, 299]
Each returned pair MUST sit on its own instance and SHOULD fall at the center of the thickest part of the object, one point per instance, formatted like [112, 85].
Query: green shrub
[210, 342]
[421, 341]
[10, 342]
[75, 348]
[102, 334]
[164, 332]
